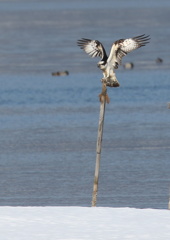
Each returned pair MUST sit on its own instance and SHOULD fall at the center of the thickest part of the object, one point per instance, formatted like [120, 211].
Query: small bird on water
[119, 49]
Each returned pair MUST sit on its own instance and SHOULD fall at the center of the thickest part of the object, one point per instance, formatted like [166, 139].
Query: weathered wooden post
[103, 99]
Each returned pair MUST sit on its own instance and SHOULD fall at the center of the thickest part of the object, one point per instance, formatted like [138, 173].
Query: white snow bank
[79, 223]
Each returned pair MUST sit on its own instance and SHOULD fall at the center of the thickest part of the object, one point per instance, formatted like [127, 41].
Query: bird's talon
[104, 80]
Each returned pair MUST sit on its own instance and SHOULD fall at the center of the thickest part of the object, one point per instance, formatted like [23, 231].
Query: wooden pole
[103, 99]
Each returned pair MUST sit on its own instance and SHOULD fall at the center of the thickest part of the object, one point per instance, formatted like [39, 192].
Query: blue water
[49, 124]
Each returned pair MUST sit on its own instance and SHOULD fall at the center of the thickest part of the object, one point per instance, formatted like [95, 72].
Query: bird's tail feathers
[111, 81]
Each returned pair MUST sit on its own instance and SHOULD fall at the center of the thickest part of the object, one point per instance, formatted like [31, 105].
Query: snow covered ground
[79, 223]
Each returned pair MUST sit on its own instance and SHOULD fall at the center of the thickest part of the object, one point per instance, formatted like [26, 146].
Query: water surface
[49, 124]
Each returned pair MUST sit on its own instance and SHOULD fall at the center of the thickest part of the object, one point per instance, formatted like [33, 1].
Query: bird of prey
[119, 49]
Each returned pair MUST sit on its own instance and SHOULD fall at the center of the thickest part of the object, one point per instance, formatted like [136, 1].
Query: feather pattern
[124, 46]
[92, 47]
[119, 49]
[131, 44]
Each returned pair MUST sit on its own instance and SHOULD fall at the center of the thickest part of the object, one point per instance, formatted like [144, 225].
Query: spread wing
[128, 45]
[92, 47]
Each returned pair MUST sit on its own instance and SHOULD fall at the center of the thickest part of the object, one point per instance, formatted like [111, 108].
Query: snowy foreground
[75, 223]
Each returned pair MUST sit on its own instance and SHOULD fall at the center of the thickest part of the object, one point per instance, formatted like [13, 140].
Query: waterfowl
[128, 65]
[64, 73]
[159, 60]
